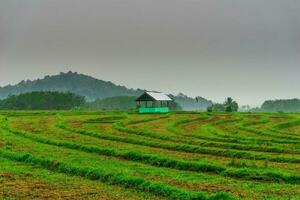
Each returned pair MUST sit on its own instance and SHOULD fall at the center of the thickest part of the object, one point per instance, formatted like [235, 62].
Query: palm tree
[230, 105]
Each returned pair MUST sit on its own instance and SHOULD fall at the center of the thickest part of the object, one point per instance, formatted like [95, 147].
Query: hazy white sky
[247, 49]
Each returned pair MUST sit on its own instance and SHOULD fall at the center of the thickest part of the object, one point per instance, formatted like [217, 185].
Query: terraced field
[118, 155]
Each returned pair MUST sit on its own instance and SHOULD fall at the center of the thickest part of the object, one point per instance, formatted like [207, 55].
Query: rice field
[119, 155]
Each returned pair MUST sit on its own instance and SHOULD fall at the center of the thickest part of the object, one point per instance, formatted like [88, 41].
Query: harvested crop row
[154, 160]
[248, 139]
[287, 138]
[225, 142]
[183, 147]
[224, 137]
[123, 180]
[283, 125]
[221, 143]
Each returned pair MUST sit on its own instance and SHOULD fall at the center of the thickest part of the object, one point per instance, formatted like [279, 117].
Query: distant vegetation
[228, 106]
[285, 105]
[112, 103]
[105, 95]
[42, 101]
[188, 103]
[92, 89]
[119, 103]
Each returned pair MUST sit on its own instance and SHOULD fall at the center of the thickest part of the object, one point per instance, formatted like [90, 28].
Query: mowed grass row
[244, 139]
[271, 132]
[280, 127]
[198, 149]
[266, 148]
[23, 181]
[245, 173]
[243, 124]
[265, 122]
[35, 125]
[110, 172]
[124, 180]
[69, 149]
[218, 135]
[225, 141]
[196, 178]
[206, 143]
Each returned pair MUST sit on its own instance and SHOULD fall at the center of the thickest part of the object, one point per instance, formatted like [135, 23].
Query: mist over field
[248, 50]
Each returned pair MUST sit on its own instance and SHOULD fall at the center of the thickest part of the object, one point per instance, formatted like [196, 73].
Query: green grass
[142, 156]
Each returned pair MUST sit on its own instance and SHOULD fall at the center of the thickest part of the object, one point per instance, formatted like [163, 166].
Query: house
[153, 102]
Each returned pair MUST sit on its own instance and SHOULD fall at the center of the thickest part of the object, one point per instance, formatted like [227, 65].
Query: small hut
[153, 102]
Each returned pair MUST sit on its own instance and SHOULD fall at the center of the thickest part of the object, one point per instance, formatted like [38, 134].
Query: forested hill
[75, 83]
[91, 88]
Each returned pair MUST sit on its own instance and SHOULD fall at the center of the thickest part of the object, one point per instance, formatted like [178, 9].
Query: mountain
[75, 83]
[91, 88]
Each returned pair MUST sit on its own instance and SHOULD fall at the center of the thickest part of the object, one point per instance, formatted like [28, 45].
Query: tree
[230, 105]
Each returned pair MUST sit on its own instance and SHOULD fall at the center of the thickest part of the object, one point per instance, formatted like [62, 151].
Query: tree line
[228, 106]
[285, 105]
[48, 100]
[42, 101]
[120, 103]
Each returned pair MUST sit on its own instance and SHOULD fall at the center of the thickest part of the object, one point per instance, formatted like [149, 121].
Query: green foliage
[228, 106]
[42, 101]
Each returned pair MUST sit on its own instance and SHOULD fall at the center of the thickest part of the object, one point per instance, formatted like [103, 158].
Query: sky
[246, 49]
